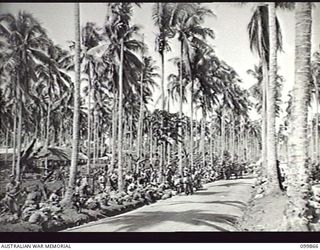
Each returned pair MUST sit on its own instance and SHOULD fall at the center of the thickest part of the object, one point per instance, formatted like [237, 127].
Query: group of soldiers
[99, 190]
[32, 204]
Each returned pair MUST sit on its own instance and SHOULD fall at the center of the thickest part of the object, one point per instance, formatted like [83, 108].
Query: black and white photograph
[159, 117]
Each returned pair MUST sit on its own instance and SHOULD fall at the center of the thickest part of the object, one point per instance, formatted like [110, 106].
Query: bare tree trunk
[47, 136]
[298, 177]
[75, 140]
[222, 134]
[14, 131]
[18, 165]
[211, 143]
[232, 136]
[180, 108]
[317, 122]
[191, 122]
[120, 179]
[89, 118]
[114, 128]
[273, 184]
[151, 145]
[264, 117]
[60, 132]
[6, 145]
[95, 138]
[131, 139]
[203, 141]
[140, 122]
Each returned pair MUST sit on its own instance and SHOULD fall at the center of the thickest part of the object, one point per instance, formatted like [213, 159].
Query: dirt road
[215, 208]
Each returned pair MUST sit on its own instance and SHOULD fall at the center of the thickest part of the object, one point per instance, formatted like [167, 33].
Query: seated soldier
[54, 198]
[33, 198]
[131, 188]
[114, 181]
[101, 181]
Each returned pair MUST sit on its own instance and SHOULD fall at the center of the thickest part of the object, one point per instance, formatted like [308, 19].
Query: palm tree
[162, 15]
[316, 81]
[90, 39]
[119, 28]
[298, 188]
[53, 84]
[271, 102]
[141, 109]
[27, 42]
[76, 98]
[188, 27]
[258, 29]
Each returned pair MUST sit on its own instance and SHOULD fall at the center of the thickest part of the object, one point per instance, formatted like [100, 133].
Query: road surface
[215, 208]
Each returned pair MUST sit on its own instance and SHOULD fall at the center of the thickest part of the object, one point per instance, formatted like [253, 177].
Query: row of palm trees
[117, 95]
[42, 100]
[265, 37]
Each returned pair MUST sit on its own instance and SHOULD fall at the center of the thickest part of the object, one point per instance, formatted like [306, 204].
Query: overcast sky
[230, 26]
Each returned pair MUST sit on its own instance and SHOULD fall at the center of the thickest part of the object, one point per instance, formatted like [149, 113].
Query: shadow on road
[192, 217]
[232, 184]
[238, 204]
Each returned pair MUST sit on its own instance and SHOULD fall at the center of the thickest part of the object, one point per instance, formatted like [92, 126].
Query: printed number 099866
[308, 245]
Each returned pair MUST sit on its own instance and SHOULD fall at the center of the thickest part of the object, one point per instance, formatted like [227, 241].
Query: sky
[231, 41]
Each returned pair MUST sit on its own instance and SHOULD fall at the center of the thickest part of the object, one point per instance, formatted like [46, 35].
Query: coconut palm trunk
[89, 118]
[75, 128]
[298, 178]
[14, 131]
[191, 122]
[114, 128]
[18, 167]
[120, 179]
[264, 116]
[273, 185]
[222, 133]
[6, 145]
[47, 135]
[95, 138]
[151, 145]
[232, 136]
[203, 152]
[317, 156]
[180, 108]
[60, 132]
[139, 141]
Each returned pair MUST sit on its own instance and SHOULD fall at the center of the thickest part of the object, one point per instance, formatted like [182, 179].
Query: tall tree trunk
[191, 123]
[18, 165]
[273, 184]
[317, 122]
[114, 127]
[140, 122]
[95, 138]
[120, 179]
[131, 138]
[162, 145]
[232, 136]
[298, 177]
[211, 143]
[75, 133]
[89, 118]
[151, 145]
[60, 132]
[203, 141]
[47, 136]
[14, 130]
[222, 134]
[264, 152]
[180, 108]
[6, 145]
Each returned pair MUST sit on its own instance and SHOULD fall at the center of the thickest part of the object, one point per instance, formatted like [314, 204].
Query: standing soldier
[12, 190]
